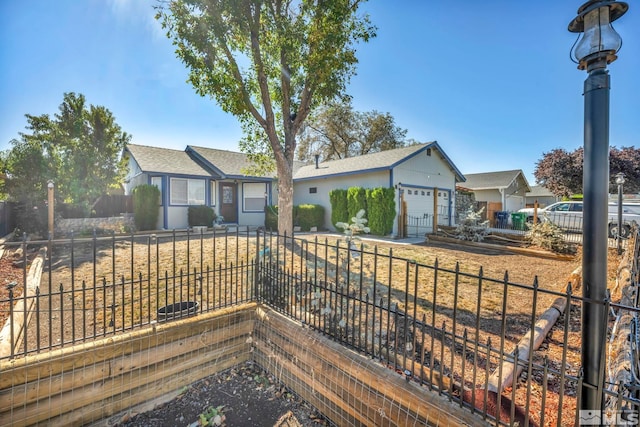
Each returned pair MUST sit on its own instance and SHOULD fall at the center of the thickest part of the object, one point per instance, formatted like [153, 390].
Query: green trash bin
[519, 220]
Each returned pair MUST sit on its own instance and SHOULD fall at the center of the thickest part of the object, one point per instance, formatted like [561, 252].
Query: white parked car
[568, 215]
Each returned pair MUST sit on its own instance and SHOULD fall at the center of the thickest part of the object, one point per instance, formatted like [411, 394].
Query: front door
[229, 201]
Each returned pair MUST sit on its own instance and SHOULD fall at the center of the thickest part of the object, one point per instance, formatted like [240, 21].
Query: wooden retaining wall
[98, 382]
[348, 388]
[85, 383]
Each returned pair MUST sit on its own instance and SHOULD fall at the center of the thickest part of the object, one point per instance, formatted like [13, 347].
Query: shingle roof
[539, 191]
[202, 161]
[491, 180]
[383, 160]
[226, 163]
[164, 160]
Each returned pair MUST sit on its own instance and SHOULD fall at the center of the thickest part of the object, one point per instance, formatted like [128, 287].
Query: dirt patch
[12, 279]
[243, 396]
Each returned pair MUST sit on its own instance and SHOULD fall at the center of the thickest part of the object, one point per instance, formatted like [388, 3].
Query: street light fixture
[597, 48]
[620, 182]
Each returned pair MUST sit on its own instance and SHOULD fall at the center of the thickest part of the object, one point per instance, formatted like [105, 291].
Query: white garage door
[419, 210]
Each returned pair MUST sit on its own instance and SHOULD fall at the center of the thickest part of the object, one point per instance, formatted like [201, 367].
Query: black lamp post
[620, 182]
[597, 48]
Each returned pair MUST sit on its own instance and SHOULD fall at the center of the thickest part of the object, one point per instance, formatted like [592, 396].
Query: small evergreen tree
[339, 212]
[356, 201]
[472, 227]
[146, 199]
[381, 207]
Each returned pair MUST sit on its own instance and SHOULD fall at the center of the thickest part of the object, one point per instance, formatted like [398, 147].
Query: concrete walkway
[368, 239]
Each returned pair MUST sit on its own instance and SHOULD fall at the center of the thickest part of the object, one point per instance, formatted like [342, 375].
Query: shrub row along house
[422, 174]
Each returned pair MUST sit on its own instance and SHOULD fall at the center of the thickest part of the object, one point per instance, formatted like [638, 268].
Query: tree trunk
[285, 199]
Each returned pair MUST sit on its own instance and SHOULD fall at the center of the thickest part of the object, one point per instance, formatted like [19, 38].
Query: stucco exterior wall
[514, 203]
[488, 196]
[427, 172]
[424, 170]
[303, 195]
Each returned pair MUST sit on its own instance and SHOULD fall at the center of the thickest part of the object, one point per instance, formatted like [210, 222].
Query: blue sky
[491, 81]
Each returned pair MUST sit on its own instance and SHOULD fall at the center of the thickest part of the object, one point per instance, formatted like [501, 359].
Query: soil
[11, 279]
[243, 396]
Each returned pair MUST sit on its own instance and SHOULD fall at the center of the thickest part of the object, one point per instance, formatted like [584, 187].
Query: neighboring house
[505, 190]
[423, 172]
[199, 176]
[203, 176]
[542, 195]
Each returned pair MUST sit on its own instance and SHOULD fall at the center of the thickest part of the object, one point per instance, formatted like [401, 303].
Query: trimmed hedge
[200, 215]
[307, 216]
[146, 200]
[339, 211]
[356, 201]
[381, 204]
[304, 216]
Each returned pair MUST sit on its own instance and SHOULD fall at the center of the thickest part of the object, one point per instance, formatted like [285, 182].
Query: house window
[212, 190]
[313, 190]
[187, 191]
[428, 151]
[157, 181]
[428, 193]
[409, 192]
[253, 198]
[445, 195]
[422, 192]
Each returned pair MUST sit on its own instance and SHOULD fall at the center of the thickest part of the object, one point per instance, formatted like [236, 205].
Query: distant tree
[78, 149]
[627, 161]
[337, 131]
[561, 171]
[269, 63]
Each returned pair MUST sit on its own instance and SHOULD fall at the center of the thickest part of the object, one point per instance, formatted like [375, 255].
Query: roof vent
[317, 161]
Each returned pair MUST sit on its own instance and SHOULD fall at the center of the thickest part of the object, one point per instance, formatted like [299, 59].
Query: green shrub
[146, 199]
[339, 212]
[200, 215]
[307, 216]
[356, 201]
[381, 207]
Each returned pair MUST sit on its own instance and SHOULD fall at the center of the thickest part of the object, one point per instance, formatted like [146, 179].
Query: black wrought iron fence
[461, 334]
[93, 287]
[417, 225]
[456, 332]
